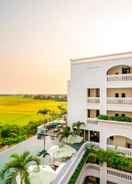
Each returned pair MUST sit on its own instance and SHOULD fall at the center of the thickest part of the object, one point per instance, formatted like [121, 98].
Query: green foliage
[121, 118]
[65, 133]
[103, 117]
[12, 134]
[115, 118]
[76, 173]
[113, 159]
[19, 117]
[18, 166]
[43, 153]
[76, 127]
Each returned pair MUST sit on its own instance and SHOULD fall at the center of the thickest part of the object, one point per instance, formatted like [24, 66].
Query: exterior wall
[92, 73]
[112, 113]
[111, 92]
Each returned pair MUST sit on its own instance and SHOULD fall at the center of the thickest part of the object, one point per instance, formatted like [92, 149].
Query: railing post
[103, 174]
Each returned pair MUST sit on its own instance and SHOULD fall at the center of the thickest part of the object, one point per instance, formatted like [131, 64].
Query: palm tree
[76, 127]
[18, 166]
[64, 134]
[43, 153]
[91, 150]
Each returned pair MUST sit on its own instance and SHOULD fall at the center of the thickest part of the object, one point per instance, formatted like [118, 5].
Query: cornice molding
[110, 57]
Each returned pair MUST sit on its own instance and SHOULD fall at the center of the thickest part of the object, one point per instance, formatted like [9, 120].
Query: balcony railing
[120, 77]
[126, 151]
[92, 120]
[113, 100]
[93, 100]
[65, 174]
[112, 174]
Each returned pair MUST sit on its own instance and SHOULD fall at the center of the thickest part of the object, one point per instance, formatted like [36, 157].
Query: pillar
[103, 174]
[103, 141]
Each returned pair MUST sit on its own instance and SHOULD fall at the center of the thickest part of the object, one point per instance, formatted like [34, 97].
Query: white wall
[91, 75]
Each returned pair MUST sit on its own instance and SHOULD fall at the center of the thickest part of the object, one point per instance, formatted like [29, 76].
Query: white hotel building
[102, 85]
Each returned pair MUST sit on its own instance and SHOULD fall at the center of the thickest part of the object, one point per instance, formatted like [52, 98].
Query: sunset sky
[38, 38]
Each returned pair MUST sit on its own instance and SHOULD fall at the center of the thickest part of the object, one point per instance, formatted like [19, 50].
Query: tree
[64, 134]
[76, 127]
[43, 153]
[62, 109]
[49, 114]
[18, 166]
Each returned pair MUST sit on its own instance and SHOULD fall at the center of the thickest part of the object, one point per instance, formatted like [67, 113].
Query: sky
[39, 37]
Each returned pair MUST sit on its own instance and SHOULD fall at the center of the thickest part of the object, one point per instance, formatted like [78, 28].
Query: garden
[99, 156]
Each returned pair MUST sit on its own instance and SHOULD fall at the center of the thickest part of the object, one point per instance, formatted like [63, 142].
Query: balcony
[93, 100]
[113, 100]
[120, 77]
[89, 169]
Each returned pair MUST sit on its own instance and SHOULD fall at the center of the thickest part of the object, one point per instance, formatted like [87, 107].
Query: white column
[103, 140]
[88, 135]
[103, 95]
[103, 174]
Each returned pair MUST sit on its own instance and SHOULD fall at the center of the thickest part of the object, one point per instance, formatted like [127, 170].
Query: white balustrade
[93, 100]
[120, 77]
[121, 174]
[113, 174]
[113, 100]
[126, 151]
[66, 173]
[92, 120]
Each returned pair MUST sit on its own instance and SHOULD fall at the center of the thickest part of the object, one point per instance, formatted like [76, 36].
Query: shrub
[103, 117]
[97, 155]
[121, 118]
[115, 118]
[76, 173]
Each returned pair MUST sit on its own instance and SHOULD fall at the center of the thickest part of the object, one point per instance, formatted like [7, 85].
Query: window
[116, 114]
[88, 113]
[125, 70]
[116, 95]
[123, 115]
[111, 138]
[97, 92]
[123, 95]
[97, 113]
[88, 92]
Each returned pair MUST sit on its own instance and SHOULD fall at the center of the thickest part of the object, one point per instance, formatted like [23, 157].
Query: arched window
[116, 95]
[123, 95]
[119, 69]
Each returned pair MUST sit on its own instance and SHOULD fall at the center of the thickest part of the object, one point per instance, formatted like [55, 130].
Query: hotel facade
[102, 86]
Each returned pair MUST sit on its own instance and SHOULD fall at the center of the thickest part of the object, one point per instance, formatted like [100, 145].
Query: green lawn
[21, 110]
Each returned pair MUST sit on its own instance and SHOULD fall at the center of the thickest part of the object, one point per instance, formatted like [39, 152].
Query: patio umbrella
[63, 152]
[72, 139]
[44, 175]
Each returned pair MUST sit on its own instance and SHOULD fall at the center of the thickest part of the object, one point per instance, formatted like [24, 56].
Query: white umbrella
[44, 176]
[39, 175]
[72, 139]
[62, 152]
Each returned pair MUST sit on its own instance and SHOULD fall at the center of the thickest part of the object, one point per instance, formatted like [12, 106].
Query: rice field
[21, 110]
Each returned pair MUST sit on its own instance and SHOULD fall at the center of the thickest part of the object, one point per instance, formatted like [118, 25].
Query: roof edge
[114, 56]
